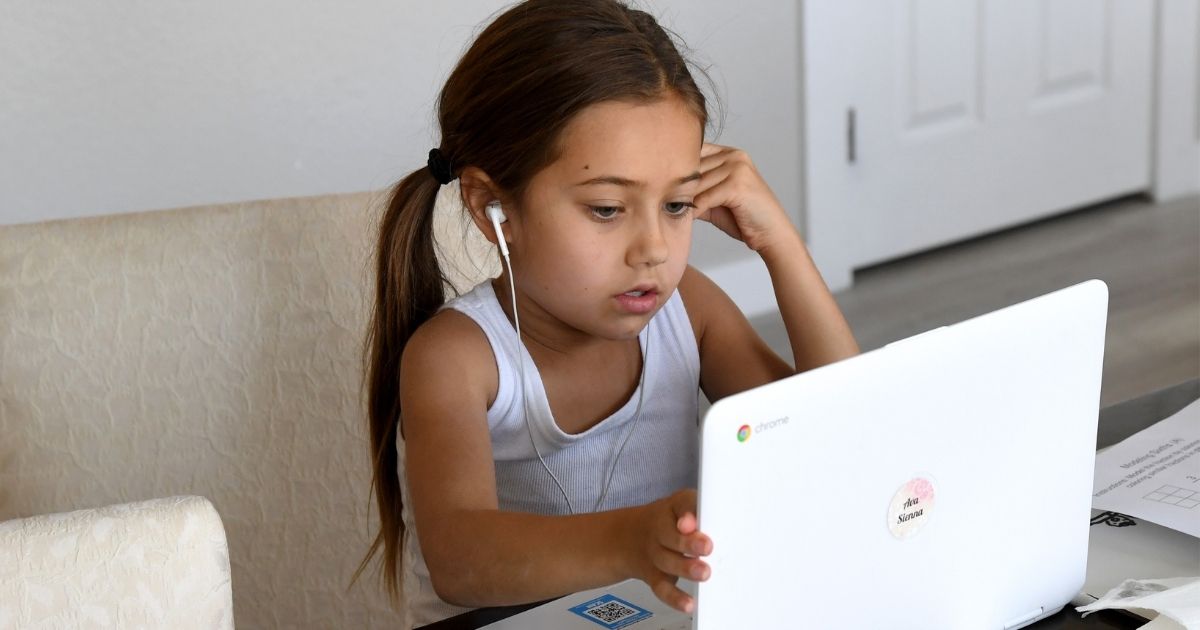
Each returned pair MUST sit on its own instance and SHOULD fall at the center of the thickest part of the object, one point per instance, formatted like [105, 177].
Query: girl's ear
[477, 191]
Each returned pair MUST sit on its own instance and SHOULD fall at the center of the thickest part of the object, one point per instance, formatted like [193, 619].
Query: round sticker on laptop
[912, 506]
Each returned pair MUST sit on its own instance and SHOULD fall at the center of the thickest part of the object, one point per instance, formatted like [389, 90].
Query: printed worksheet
[1155, 473]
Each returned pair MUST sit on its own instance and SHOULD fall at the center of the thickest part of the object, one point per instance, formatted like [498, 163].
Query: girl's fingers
[678, 531]
[724, 183]
[676, 565]
[692, 543]
[678, 543]
[733, 197]
[712, 193]
[713, 176]
[673, 539]
[723, 220]
[717, 162]
[709, 162]
[719, 154]
[708, 149]
[682, 502]
[713, 196]
[664, 588]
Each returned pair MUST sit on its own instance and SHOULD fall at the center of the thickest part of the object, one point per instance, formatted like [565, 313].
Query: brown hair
[502, 110]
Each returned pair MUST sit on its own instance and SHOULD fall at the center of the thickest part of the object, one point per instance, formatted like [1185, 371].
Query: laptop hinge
[1016, 622]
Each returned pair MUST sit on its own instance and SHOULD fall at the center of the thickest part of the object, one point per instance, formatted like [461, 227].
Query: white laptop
[941, 482]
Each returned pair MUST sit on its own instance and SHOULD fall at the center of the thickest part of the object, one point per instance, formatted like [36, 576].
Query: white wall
[129, 106]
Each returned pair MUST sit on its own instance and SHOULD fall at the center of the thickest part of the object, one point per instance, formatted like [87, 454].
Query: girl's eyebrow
[621, 181]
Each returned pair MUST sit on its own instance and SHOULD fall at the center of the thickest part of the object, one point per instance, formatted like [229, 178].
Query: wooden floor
[1147, 253]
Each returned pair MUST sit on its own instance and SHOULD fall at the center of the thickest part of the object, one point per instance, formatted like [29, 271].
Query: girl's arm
[478, 555]
[734, 198]
[816, 328]
[495, 558]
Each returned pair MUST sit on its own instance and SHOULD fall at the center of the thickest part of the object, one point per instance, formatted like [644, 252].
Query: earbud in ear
[496, 215]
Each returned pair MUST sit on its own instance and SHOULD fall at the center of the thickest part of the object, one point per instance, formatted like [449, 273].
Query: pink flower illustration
[922, 488]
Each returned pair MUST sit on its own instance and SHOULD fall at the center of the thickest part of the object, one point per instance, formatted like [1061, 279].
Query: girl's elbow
[449, 584]
[455, 578]
[446, 594]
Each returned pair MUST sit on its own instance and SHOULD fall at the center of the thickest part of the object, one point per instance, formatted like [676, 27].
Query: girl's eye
[605, 213]
[679, 208]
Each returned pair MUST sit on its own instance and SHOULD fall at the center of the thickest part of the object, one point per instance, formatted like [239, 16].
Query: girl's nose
[649, 246]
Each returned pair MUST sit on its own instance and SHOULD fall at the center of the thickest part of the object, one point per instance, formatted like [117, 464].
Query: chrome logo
[744, 433]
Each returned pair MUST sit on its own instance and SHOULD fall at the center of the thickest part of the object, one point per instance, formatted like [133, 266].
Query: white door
[930, 121]
[1177, 159]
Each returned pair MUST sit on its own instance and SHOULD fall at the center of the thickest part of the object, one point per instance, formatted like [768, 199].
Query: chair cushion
[162, 563]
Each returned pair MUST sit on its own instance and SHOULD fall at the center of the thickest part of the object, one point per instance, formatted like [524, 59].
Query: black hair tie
[440, 166]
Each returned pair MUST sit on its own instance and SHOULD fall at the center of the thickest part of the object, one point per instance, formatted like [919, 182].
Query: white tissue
[1176, 600]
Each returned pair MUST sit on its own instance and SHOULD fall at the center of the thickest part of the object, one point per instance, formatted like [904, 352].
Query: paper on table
[1176, 600]
[1155, 473]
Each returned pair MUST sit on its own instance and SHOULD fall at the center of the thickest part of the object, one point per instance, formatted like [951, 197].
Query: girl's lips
[638, 305]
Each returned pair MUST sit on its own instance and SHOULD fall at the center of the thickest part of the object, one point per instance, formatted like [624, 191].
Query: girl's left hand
[735, 198]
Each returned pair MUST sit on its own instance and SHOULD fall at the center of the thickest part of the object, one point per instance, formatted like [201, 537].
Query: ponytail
[408, 291]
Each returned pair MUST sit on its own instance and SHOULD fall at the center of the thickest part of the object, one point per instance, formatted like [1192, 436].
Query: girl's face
[612, 215]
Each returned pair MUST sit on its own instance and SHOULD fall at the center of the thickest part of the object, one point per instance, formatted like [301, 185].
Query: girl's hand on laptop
[664, 546]
[734, 197]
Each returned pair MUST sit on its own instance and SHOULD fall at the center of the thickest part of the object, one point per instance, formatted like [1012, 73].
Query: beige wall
[211, 351]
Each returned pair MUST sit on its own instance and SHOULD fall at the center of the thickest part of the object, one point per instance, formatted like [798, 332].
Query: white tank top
[659, 456]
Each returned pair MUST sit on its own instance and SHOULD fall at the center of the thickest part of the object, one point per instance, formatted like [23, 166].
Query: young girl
[511, 472]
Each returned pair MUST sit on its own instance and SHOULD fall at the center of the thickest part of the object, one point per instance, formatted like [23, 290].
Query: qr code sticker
[610, 611]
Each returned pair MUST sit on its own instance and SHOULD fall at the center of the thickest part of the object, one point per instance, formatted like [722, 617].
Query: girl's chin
[634, 326]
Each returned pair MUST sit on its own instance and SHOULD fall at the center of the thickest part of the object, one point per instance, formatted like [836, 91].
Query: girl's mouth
[638, 302]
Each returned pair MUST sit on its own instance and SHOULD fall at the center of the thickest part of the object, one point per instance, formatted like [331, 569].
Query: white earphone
[495, 213]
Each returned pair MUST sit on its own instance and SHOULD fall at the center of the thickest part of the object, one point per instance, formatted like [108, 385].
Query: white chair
[162, 563]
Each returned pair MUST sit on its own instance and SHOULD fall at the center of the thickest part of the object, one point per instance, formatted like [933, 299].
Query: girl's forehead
[656, 142]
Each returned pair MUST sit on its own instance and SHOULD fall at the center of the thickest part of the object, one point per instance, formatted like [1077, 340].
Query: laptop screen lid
[943, 481]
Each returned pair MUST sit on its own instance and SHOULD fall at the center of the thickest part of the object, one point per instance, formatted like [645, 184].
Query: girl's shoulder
[451, 349]
[733, 357]
[696, 291]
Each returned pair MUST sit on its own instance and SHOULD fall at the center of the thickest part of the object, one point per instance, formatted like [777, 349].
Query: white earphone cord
[612, 467]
